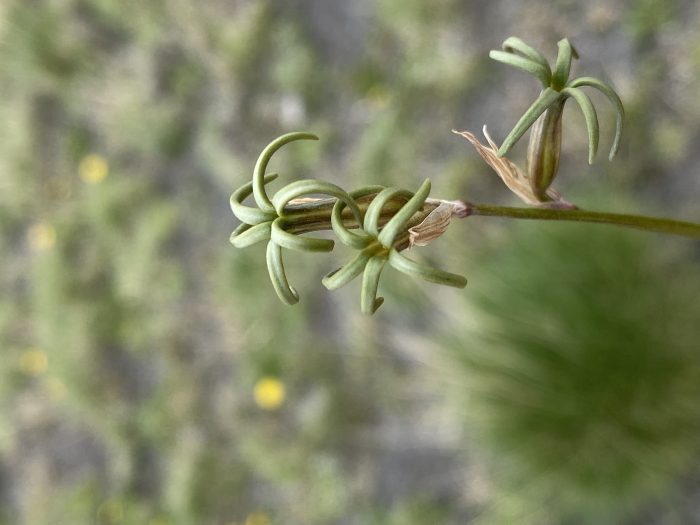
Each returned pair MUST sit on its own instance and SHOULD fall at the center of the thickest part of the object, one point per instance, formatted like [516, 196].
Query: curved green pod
[249, 214]
[251, 235]
[525, 64]
[241, 228]
[346, 273]
[591, 117]
[259, 193]
[563, 64]
[614, 99]
[369, 302]
[297, 242]
[275, 268]
[397, 222]
[425, 272]
[310, 187]
[359, 239]
[516, 45]
[374, 211]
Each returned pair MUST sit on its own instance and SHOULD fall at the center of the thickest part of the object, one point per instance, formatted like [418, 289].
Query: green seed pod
[544, 149]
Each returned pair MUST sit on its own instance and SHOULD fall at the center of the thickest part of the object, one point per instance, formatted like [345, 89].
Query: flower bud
[544, 149]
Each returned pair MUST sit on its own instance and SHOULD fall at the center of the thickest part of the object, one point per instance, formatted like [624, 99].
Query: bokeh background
[148, 373]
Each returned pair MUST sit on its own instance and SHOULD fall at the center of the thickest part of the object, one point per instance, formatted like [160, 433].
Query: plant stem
[313, 214]
[640, 222]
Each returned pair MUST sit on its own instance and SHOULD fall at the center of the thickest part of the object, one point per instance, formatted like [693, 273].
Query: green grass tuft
[581, 374]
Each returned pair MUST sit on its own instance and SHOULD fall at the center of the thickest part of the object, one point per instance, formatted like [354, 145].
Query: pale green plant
[380, 222]
[546, 112]
[282, 219]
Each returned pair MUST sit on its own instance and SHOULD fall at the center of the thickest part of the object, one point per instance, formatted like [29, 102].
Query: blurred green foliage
[579, 372]
[133, 335]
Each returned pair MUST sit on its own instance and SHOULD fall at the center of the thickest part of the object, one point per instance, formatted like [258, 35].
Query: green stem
[640, 222]
[312, 214]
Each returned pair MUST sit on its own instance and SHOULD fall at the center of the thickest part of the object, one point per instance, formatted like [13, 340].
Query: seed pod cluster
[280, 220]
[544, 115]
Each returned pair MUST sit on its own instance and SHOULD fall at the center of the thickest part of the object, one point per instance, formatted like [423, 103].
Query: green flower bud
[544, 149]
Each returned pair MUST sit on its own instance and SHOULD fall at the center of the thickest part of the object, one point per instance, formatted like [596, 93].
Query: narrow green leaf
[563, 64]
[275, 268]
[359, 239]
[546, 99]
[393, 227]
[251, 235]
[609, 92]
[374, 210]
[370, 284]
[591, 117]
[249, 214]
[346, 273]
[261, 198]
[428, 273]
[525, 64]
[297, 242]
[514, 44]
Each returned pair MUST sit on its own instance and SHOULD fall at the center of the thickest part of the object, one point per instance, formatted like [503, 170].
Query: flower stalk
[638, 222]
[319, 219]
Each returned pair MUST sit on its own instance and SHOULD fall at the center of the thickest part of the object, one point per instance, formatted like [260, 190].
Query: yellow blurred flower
[41, 236]
[93, 169]
[269, 393]
[33, 362]
[258, 518]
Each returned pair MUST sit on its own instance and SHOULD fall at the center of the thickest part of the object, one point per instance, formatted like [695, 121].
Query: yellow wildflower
[269, 393]
[33, 362]
[93, 169]
[258, 518]
[41, 236]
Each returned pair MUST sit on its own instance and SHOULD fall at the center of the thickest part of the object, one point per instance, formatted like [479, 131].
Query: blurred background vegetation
[148, 373]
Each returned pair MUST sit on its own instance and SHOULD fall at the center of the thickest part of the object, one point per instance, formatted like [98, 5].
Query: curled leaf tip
[524, 63]
[398, 221]
[259, 193]
[287, 294]
[425, 272]
[249, 235]
[370, 284]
